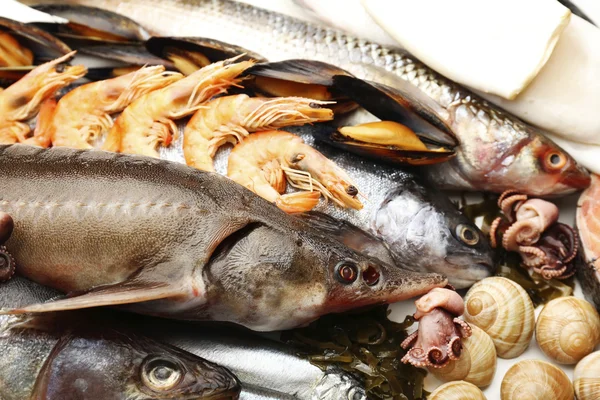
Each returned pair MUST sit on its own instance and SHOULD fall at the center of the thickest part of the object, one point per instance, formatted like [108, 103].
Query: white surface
[475, 42]
[14, 10]
[567, 206]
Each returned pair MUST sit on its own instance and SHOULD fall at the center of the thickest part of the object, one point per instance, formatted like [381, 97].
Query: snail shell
[586, 378]
[477, 363]
[568, 329]
[457, 390]
[502, 309]
[536, 380]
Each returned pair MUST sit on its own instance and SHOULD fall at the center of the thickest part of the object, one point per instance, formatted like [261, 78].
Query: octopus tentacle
[493, 230]
[454, 348]
[410, 340]
[509, 202]
[532, 256]
[464, 327]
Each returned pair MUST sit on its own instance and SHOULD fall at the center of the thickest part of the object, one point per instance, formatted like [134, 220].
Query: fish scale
[505, 153]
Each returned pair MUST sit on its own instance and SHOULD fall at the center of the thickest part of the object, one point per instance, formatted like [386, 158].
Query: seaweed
[366, 344]
[540, 290]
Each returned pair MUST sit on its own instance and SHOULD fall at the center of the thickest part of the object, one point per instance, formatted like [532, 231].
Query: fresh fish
[169, 240]
[498, 151]
[421, 227]
[57, 359]
[262, 365]
[588, 225]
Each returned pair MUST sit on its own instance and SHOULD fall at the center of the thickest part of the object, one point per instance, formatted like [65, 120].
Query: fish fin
[300, 71]
[404, 104]
[132, 291]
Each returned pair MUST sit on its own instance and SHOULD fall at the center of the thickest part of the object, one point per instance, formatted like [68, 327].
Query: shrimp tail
[287, 111]
[298, 202]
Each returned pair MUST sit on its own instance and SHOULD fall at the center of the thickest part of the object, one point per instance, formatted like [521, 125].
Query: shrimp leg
[260, 161]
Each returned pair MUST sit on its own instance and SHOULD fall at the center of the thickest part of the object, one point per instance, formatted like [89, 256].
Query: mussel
[412, 131]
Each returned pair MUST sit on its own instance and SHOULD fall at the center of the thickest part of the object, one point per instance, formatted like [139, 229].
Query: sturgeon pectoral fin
[127, 292]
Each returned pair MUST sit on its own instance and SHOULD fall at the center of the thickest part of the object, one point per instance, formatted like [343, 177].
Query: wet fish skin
[418, 223]
[209, 248]
[267, 369]
[588, 226]
[498, 152]
[62, 358]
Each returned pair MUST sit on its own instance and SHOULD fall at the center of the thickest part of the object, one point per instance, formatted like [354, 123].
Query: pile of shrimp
[135, 113]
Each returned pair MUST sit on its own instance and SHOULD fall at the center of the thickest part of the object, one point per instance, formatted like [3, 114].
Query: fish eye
[346, 272]
[160, 374]
[352, 190]
[555, 160]
[371, 275]
[355, 394]
[467, 234]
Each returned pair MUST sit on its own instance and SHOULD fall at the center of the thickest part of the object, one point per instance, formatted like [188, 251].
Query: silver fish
[498, 151]
[267, 369]
[65, 358]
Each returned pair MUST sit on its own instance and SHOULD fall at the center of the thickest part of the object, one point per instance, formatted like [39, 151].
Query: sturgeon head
[266, 278]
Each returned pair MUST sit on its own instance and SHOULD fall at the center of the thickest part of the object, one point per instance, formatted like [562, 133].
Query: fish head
[337, 384]
[116, 365]
[544, 169]
[266, 278]
[426, 232]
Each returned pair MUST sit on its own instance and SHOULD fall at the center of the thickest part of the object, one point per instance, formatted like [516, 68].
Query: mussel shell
[214, 50]
[44, 45]
[406, 105]
[93, 23]
[387, 154]
[132, 54]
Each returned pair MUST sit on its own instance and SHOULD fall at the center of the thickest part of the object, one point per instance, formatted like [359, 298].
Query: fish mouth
[465, 274]
[575, 179]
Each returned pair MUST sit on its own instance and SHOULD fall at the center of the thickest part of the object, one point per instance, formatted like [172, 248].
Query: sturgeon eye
[467, 234]
[346, 272]
[555, 160]
[160, 374]
[371, 275]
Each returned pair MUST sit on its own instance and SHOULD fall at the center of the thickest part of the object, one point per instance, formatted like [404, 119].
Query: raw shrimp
[263, 160]
[83, 114]
[148, 121]
[230, 119]
[22, 100]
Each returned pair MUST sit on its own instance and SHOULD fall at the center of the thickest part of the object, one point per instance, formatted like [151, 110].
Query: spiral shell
[568, 329]
[457, 390]
[586, 378]
[502, 309]
[535, 380]
[477, 363]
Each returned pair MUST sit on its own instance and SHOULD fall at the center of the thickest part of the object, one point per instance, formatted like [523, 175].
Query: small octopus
[531, 228]
[7, 263]
[439, 336]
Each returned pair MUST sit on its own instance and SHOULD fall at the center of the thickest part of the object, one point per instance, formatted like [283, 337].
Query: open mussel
[91, 25]
[412, 131]
[189, 54]
[23, 46]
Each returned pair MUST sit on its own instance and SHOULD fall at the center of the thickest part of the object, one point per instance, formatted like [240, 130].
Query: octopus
[439, 336]
[7, 263]
[531, 228]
